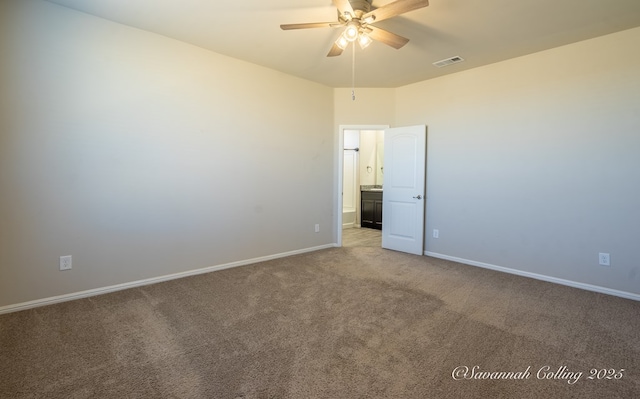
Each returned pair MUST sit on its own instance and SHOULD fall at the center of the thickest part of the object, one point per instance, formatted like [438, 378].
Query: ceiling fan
[358, 17]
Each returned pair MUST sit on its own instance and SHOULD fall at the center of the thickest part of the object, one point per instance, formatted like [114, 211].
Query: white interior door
[403, 202]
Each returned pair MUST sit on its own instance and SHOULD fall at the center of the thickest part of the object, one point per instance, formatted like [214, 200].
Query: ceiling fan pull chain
[353, 73]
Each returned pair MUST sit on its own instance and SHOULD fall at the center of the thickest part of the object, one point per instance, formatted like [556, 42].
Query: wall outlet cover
[604, 259]
[65, 262]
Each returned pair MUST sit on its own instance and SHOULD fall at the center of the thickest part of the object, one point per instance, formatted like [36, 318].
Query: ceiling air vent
[448, 61]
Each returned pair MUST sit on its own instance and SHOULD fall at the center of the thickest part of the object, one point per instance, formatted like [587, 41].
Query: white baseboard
[119, 287]
[574, 284]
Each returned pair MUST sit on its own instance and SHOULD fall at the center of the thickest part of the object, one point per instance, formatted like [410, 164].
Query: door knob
[418, 196]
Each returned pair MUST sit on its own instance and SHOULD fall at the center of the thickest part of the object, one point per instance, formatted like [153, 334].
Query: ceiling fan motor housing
[360, 7]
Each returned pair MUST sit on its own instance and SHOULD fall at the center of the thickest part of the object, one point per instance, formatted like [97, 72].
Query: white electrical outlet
[317, 228]
[65, 262]
[436, 233]
[604, 259]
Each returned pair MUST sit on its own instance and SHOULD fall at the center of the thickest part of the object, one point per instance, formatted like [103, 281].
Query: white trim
[574, 284]
[133, 284]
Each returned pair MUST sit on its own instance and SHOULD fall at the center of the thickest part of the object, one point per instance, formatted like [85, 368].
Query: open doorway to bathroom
[362, 169]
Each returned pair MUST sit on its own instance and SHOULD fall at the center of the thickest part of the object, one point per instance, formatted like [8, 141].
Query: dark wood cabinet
[371, 209]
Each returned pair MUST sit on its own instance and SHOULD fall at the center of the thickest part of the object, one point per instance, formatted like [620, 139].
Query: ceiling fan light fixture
[342, 42]
[364, 40]
[351, 33]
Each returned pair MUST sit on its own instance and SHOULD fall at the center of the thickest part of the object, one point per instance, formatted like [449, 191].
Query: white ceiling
[480, 31]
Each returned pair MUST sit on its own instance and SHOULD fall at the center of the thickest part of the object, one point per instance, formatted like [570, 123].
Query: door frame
[340, 174]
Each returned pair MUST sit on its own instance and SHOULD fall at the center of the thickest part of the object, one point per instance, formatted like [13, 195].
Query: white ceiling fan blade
[396, 8]
[386, 37]
[310, 25]
[335, 51]
[343, 6]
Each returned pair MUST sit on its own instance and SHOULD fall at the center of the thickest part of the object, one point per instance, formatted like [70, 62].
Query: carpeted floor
[351, 322]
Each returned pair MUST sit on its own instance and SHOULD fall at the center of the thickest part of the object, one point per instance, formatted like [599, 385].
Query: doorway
[361, 237]
[359, 163]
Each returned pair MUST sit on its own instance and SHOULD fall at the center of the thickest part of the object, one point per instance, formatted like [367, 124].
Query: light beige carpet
[358, 322]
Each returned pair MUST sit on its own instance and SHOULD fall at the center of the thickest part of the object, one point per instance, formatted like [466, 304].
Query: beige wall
[371, 107]
[143, 156]
[534, 163]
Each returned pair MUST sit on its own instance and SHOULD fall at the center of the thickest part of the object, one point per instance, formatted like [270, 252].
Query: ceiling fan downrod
[353, 73]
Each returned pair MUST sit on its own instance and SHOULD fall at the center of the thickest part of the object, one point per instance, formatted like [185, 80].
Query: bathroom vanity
[371, 207]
